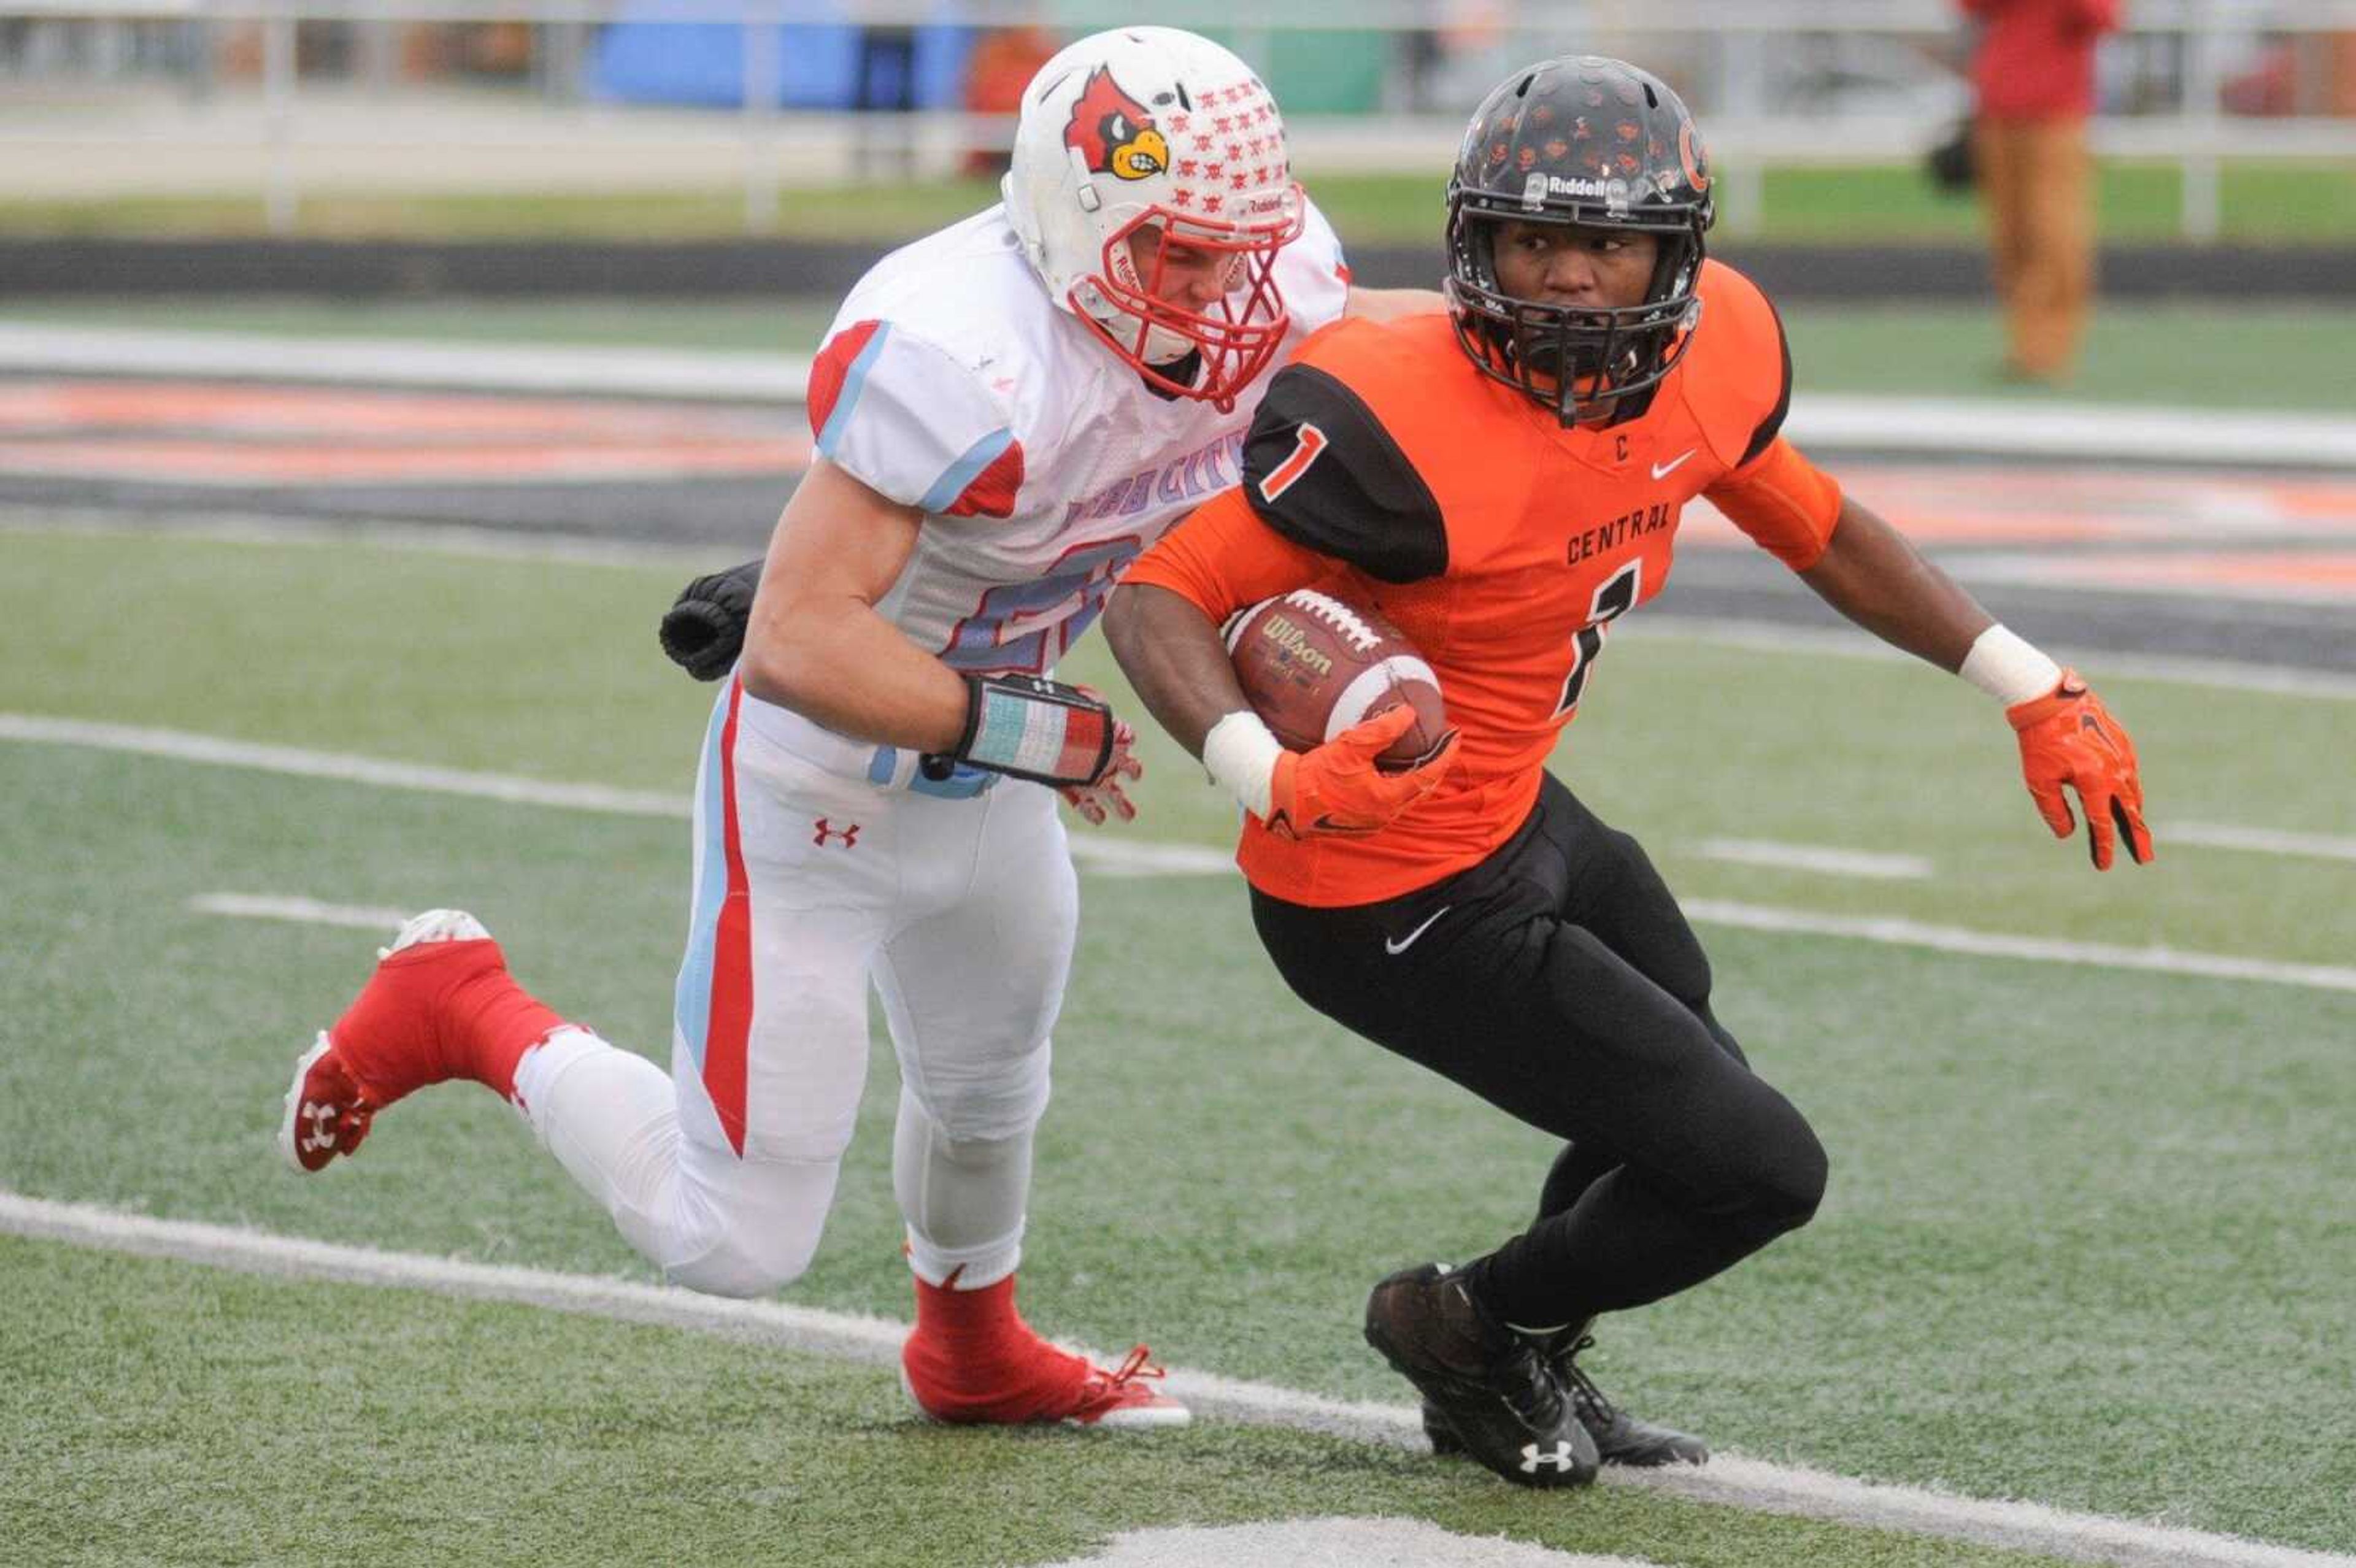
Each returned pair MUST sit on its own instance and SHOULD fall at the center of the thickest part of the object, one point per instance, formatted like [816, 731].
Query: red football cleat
[441, 1005]
[973, 1361]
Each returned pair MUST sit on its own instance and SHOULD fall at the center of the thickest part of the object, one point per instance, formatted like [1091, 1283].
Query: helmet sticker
[1113, 133]
[1689, 153]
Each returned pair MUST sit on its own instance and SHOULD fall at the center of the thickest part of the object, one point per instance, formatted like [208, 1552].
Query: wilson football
[1314, 663]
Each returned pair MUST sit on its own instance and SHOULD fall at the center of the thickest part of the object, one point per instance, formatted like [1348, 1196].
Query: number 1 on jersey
[1616, 597]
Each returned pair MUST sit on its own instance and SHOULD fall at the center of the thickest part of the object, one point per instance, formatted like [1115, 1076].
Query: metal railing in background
[1775, 81]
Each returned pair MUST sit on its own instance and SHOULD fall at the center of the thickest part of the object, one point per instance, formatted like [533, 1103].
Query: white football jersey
[951, 383]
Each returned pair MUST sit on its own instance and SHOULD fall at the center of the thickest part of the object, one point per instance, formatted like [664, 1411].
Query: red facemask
[1236, 333]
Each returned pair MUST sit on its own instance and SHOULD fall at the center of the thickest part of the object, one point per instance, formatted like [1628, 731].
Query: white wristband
[1240, 756]
[2008, 668]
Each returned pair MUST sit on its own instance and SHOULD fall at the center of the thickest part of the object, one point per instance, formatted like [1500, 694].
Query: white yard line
[1897, 932]
[1330, 1542]
[1830, 860]
[1113, 857]
[1747, 1483]
[302, 911]
[2263, 840]
[181, 746]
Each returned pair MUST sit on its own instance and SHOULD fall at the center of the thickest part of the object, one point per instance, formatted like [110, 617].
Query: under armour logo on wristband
[827, 830]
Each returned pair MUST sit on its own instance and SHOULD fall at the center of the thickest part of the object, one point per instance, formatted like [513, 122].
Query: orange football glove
[2068, 736]
[1337, 788]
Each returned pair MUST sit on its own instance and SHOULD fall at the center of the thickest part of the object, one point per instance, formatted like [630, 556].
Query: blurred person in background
[2033, 86]
[1006, 413]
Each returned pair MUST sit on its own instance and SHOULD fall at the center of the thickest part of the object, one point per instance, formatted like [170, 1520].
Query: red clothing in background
[2036, 60]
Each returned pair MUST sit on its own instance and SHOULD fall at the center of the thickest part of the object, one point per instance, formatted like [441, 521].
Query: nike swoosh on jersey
[1663, 470]
[1404, 943]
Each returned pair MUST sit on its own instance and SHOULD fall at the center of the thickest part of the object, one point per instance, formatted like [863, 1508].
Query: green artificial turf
[164, 1413]
[2082, 1219]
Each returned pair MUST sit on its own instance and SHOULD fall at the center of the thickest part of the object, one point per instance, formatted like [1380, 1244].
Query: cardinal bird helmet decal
[1113, 133]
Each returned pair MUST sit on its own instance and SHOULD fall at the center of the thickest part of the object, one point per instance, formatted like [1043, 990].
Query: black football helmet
[1579, 140]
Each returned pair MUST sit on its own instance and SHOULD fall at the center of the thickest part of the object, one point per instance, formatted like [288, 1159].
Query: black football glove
[703, 630]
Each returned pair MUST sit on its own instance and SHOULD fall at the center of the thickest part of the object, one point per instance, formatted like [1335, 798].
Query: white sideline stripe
[1995, 427]
[394, 362]
[1828, 421]
[1746, 1483]
[1775, 637]
[1900, 932]
[1815, 857]
[1131, 860]
[307, 912]
[2261, 841]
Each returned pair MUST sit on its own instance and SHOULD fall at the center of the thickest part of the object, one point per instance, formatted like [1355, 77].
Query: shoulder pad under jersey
[1737, 377]
[912, 421]
[1321, 469]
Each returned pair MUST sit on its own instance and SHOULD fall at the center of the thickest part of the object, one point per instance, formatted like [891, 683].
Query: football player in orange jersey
[1502, 482]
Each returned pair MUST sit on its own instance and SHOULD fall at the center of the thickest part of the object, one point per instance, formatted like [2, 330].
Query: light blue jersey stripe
[692, 1005]
[839, 420]
[965, 470]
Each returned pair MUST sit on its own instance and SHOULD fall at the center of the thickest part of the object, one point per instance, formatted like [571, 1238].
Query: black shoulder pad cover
[1773, 424]
[1320, 469]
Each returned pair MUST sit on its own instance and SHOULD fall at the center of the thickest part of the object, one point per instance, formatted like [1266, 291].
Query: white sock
[610, 1117]
[962, 1199]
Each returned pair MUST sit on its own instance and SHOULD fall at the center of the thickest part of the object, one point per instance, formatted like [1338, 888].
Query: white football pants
[818, 869]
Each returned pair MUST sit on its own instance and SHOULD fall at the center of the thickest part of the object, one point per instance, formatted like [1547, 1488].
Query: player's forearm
[1870, 573]
[1173, 656]
[838, 662]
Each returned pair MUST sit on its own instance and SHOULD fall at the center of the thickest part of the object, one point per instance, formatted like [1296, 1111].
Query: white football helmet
[1151, 128]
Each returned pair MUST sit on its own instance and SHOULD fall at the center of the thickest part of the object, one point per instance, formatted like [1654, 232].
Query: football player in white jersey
[1007, 413]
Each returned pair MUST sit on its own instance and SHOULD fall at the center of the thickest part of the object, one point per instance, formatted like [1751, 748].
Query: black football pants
[1559, 980]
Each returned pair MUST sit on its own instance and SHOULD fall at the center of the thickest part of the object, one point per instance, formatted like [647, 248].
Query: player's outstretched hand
[2068, 736]
[1337, 788]
[703, 630]
[1108, 795]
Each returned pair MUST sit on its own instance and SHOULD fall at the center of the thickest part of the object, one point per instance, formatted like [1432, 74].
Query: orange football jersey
[1504, 545]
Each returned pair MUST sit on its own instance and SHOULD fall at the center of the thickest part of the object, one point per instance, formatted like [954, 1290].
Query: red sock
[972, 1357]
[494, 1021]
[441, 1011]
[970, 1323]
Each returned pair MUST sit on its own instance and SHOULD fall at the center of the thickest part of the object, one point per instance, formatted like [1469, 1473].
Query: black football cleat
[1490, 1386]
[1620, 1438]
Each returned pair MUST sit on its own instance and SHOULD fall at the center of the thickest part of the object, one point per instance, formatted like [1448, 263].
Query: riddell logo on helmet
[1538, 187]
[1113, 133]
